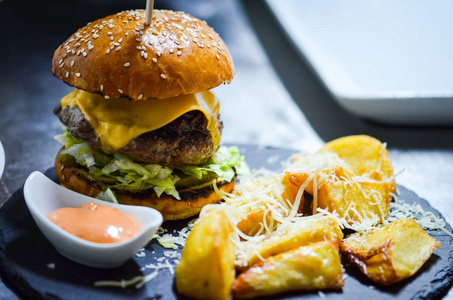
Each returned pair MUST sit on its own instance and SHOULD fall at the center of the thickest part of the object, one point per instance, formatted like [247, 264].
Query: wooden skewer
[149, 12]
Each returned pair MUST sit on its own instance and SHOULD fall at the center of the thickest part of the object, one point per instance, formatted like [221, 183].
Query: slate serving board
[25, 256]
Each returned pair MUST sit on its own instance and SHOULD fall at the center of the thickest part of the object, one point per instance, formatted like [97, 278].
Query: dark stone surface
[25, 254]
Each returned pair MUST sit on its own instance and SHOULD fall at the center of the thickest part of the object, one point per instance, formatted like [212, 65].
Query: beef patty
[184, 141]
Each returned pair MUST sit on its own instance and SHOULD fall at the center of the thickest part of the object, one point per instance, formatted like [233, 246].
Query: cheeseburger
[142, 126]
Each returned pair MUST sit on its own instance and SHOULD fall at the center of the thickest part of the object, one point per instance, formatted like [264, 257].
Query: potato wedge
[312, 267]
[391, 253]
[364, 154]
[206, 270]
[253, 211]
[291, 236]
[346, 198]
[251, 223]
[293, 179]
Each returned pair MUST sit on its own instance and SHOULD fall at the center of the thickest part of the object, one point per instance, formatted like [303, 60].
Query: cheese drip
[118, 121]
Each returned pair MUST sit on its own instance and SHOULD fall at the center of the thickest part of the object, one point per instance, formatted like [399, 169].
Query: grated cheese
[426, 219]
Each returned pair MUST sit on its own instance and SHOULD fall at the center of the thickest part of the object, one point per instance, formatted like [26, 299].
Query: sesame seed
[120, 90]
[163, 76]
[120, 40]
[108, 51]
[118, 48]
[84, 54]
[62, 65]
[107, 97]
[61, 61]
[95, 36]
[140, 96]
[72, 63]
[178, 53]
[138, 39]
[172, 50]
[102, 87]
[145, 55]
[154, 59]
[67, 74]
[78, 74]
[139, 47]
[218, 57]
[109, 33]
[128, 64]
[158, 53]
[90, 47]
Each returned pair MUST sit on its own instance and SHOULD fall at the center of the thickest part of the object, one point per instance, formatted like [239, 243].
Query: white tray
[388, 61]
[2, 159]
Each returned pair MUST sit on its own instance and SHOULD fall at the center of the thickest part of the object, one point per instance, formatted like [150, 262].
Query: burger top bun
[120, 56]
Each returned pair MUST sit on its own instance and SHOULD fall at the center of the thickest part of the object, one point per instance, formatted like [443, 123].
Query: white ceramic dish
[42, 196]
[2, 160]
[388, 61]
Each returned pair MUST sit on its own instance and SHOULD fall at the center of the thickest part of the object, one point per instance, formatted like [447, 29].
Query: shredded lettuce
[107, 195]
[120, 172]
[222, 163]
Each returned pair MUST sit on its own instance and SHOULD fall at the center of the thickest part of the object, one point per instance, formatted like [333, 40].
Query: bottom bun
[192, 199]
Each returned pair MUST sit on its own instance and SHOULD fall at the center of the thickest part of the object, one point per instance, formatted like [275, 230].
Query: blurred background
[279, 96]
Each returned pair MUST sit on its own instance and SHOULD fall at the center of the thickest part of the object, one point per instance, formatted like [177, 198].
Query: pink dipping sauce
[96, 223]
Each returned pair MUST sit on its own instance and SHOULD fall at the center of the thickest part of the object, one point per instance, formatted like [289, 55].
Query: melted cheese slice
[118, 121]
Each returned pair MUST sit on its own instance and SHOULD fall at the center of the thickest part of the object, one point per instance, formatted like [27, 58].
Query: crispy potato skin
[324, 229]
[312, 267]
[339, 196]
[206, 270]
[391, 253]
[292, 180]
[251, 224]
[362, 153]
